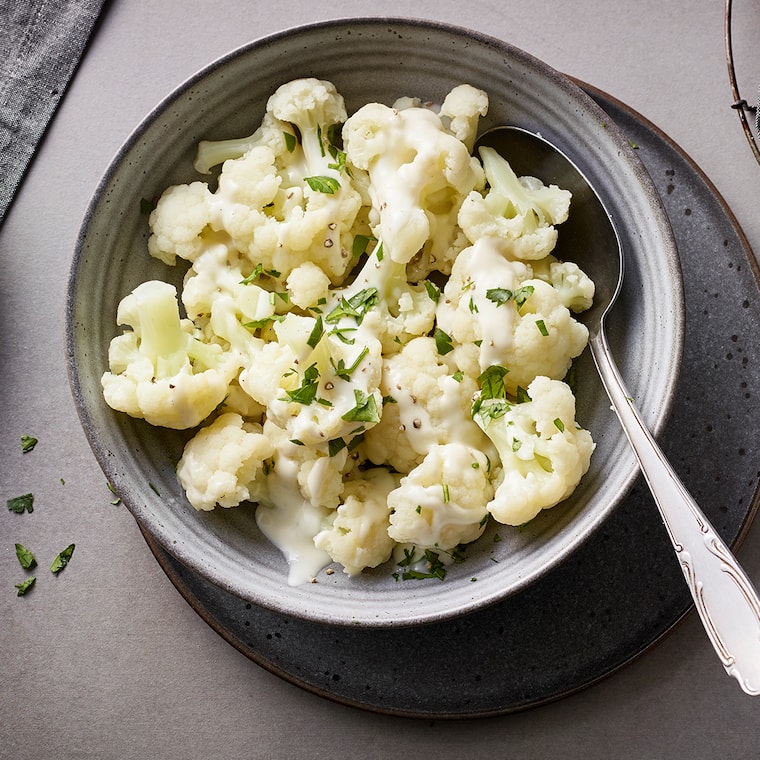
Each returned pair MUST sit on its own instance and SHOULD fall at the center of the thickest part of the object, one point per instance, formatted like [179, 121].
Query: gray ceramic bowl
[369, 59]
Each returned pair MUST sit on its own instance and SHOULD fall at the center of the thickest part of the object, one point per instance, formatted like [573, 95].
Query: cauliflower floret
[272, 133]
[159, 370]
[382, 299]
[426, 404]
[441, 503]
[358, 534]
[520, 213]
[308, 285]
[543, 452]
[463, 108]
[178, 222]
[220, 464]
[518, 321]
[575, 287]
[419, 174]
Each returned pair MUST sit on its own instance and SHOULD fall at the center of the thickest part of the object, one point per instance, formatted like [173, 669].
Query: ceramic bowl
[369, 60]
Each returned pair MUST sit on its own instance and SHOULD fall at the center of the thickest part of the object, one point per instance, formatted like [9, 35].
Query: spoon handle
[723, 594]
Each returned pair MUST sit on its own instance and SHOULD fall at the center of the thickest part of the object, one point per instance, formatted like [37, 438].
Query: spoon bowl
[582, 236]
[724, 596]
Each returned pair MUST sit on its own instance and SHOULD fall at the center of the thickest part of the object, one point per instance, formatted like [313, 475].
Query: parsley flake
[25, 585]
[25, 557]
[21, 504]
[28, 442]
[62, 559]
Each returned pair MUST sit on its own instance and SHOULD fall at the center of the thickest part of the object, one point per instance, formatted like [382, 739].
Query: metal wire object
[747, 113]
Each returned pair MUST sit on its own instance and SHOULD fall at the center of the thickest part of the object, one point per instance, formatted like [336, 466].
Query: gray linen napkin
[41, 43]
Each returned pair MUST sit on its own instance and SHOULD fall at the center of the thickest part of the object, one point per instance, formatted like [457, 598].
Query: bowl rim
[565, 83]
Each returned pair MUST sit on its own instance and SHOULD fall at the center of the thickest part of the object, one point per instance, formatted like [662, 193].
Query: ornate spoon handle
[723, 594]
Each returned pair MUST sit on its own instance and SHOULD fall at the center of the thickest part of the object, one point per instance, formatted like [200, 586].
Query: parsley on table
[25, 585]
[25, 557]
[21, 504]
[28, 442]
[62, 559]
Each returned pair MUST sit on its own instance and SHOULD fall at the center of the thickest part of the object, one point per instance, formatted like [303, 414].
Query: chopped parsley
[25, 557]
[345, 372]
[356, 306]
[541, 325]
[433, 291]
[323, 184]
[28, 442]
[25, 585]
[21, 504]
[365, 410]
[443, 342]
[62, 559]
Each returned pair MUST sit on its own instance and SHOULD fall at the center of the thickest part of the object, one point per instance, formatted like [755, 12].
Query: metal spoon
[723, 595]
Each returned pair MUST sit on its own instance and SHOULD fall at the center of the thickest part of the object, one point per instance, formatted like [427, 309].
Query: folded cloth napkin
[41, 43]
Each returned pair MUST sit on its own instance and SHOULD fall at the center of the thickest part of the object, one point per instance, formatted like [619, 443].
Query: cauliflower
[384, 301]
[575, 287]
[179, 221]
[519, 213]
[463, 108]
[543, 452]
[441, 502]
[419, 174]
[358, 537]
[283, 196]
[331, 394]
[517, 321]
[308, 285]
[427, 404]
[349, 393]
[222, 462]
[159, 370]
[271, 132]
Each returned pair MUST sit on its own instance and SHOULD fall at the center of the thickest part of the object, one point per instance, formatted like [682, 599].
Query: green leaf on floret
[499, 295]
[339, 164]
[323, 184]
[335, 446]
[433, 291]
[344, 372]
[502, 295]
[365, 410]
[360, 245]
[443, 342]
[559, 425]
[307, 391]
[521, 295]
[316, 334]
[257, 324]
[458, 376]
[356, 306]
[259, 271]
[522, 395]
[491, 382]
[473, 307]
[542, 328]
[340, 334]
[290, 141]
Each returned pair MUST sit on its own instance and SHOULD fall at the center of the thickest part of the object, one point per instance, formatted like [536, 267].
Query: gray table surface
[107, 660]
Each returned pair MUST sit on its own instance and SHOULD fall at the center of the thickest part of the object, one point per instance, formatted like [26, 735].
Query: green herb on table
[25, 585]
[62, 559]
[28, 442]
[21, 504]
[25, 557]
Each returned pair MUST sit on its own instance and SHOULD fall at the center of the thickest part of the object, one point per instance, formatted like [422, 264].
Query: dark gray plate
[569, 629]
